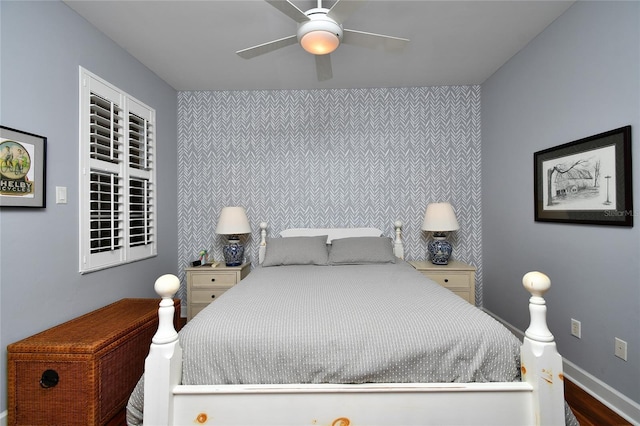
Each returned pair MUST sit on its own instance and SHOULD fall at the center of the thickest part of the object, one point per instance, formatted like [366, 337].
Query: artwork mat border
[622, 214]
[39, 163]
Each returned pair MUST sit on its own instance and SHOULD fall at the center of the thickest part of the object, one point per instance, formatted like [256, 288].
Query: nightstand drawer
[464, 294]
[456, 276]
[196, 308]
[204, 279]
[450, 280]
[205, 284]
[207, 296]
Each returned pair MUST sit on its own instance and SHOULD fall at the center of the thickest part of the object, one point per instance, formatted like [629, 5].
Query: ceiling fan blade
[374, 41]
[289, 9]
[261, 49]
[323, 67]
[342, 9]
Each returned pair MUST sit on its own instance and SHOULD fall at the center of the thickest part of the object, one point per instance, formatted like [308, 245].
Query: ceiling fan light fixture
[320, 42]
[320, 32]
[320, 35]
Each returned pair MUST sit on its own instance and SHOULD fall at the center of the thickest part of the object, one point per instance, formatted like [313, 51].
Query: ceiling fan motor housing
[319, 23]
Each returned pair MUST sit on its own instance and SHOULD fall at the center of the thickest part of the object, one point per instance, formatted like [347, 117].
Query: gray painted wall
[43, 44]
[580, 77]
[330, 158]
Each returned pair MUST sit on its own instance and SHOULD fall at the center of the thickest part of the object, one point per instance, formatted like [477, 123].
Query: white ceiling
[192, 44]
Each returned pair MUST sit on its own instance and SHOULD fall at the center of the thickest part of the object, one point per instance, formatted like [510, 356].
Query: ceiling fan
[320, 32]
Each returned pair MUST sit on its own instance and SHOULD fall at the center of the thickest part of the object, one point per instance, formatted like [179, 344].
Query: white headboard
[332, 234]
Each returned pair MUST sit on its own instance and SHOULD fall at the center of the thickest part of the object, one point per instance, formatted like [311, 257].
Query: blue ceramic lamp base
[233, 253]
[439, 250]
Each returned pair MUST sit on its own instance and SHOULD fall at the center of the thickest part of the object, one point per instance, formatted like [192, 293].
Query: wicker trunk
[82, 372]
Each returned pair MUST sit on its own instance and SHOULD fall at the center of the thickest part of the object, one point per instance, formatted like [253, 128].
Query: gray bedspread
[382, 323]
[344, 324]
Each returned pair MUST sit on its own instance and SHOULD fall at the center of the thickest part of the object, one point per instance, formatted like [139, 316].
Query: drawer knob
[213, 296]
[446, 280]
[213, 279]
[49, 379]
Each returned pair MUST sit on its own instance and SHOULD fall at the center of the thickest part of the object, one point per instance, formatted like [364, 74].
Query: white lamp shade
[233, 221]
[440, 217]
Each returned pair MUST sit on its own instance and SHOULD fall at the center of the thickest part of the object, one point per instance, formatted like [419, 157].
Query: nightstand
[458, 277]
[205, 283]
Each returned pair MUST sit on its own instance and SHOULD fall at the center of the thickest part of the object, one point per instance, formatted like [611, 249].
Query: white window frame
[121, 163]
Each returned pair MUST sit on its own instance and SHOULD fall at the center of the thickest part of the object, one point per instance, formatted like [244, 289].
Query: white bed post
[398, 247]
[263, 242]
[540, 362]
[163, 366]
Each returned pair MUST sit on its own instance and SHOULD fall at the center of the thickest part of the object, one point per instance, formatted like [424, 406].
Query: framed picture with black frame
[22, 169]
[587, 181]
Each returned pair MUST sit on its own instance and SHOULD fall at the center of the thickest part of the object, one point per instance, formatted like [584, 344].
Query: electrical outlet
[576, 328]
[621, 349]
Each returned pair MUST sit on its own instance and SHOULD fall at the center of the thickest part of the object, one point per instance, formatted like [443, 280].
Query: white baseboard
[3, 418]
[614, 400]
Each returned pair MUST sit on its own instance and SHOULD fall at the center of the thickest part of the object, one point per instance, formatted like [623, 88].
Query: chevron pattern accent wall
[329, 158]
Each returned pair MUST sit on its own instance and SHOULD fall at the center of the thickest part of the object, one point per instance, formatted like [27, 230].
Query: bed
[346, 335]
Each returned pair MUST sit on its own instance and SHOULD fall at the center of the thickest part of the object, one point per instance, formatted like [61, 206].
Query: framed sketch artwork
[586, 181]
[22, 168]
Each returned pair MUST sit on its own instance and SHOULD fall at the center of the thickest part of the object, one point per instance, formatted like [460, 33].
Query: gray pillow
[296, 251]
[361, 250]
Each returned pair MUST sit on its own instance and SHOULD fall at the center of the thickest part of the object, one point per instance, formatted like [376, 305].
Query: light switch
[61, 195]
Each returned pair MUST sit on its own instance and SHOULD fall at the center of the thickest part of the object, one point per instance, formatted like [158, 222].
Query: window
[117, 176]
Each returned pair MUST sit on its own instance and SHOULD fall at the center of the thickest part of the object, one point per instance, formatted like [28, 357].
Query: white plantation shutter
[139, 142]
[117, 176]
[106, 210]
[141, 200]
[140, 214]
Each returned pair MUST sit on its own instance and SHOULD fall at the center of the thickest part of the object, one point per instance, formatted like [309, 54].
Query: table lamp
[440, 219]
[233, 222]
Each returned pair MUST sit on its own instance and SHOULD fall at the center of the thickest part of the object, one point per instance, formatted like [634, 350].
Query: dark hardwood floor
[588, 410]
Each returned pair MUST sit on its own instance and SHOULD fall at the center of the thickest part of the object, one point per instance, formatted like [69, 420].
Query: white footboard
[163, 366]
[540, 362]
[537, 400]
